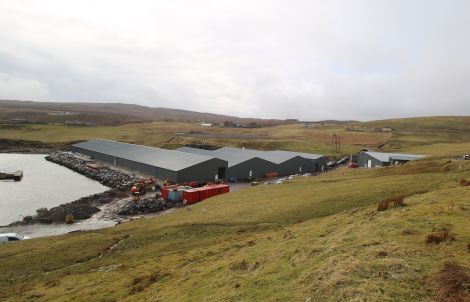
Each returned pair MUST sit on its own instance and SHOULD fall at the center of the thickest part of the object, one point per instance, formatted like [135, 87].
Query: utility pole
[336, 143]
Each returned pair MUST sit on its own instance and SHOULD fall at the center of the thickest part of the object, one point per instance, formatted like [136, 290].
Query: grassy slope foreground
[311, 239]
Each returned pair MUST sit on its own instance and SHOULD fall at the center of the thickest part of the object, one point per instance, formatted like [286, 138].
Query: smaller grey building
[287, 162]
[240, 165]
[370, 159]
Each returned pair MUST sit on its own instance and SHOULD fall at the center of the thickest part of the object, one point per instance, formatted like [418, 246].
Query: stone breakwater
[82, 208]
[105, 175]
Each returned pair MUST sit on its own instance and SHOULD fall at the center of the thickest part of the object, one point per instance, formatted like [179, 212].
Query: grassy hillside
[176, 134]
[433, 135]
[311, 239]
[429, 135]
[110, 113]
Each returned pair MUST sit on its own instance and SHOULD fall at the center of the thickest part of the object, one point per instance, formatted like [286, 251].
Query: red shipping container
[225, 188]
[199, 194]
[203, 193]
[191, 196]
[165, 193]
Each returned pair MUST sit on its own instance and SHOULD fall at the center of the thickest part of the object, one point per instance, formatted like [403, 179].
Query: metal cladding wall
[203, 171]
[292, 166]
[363, 158]
[298, 165]
[148, 170]
[319, 164]
[258, 167]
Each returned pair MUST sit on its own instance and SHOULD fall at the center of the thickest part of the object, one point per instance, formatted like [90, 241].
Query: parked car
[9, 237]
[353, 165]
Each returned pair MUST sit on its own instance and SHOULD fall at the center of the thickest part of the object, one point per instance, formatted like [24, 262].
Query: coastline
[31, 147]
[90, 212]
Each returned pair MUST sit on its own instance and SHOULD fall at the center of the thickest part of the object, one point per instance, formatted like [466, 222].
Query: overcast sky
[303, 59]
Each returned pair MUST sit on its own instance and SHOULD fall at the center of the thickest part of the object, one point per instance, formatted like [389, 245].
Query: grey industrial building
[159, 163]
[369, 159]
[282, 162]
[287, 162]
[240, 164]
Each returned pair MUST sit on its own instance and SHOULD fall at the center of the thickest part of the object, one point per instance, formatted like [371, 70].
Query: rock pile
[148, 204]
[82, 208]
[106, 176]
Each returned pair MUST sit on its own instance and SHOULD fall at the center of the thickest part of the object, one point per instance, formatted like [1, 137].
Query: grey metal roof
[167, 159]
[301, 154]
[232, 158]
[277, 156]
[386, 157]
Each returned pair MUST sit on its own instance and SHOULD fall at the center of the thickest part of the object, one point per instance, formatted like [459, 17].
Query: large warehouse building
[369, 159]
[159, 163]
[240, 165]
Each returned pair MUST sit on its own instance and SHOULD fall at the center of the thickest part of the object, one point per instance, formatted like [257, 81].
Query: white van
[9, 237]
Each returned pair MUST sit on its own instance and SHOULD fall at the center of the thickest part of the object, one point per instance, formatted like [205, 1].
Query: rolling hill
[109, 113]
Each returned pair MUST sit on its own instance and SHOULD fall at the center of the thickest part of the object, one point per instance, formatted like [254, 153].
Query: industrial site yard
[316, 238]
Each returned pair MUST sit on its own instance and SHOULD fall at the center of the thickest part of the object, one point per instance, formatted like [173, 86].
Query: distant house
[206, 124]
[369, 159]
[387, 129]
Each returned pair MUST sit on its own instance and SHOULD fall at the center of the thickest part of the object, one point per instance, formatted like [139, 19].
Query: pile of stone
[80, 209]
[147, 204]
[105, 175]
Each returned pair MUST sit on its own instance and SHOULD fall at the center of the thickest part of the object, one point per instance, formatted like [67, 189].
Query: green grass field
[433, 135]
[165, 135]
[310, 239]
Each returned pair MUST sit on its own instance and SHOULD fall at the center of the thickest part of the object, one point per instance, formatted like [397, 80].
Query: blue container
[175, 195]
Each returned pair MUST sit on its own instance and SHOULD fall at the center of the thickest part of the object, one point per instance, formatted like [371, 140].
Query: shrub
[383, 205]
[392, 202]
[140, 283]
[451, 283]
[438, 237]
[464, 182]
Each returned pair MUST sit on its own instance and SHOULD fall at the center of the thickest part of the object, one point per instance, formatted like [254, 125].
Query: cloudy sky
[306, 59]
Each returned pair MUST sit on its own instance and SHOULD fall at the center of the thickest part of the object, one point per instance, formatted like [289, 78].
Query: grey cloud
[285, 59]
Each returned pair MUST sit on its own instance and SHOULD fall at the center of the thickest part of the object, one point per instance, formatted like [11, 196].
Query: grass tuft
[438, 237]
[451, 283]
[392, 202]
[140, 283]
[464, 182]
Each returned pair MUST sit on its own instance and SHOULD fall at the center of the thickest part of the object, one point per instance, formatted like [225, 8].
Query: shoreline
[94, 211]
[31, 147]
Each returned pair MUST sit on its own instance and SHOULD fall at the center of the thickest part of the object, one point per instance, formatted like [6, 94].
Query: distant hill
[110, 113]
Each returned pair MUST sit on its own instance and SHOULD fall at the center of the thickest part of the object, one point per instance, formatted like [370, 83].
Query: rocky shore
[80, 209]
[108, 177]
[117, 200]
